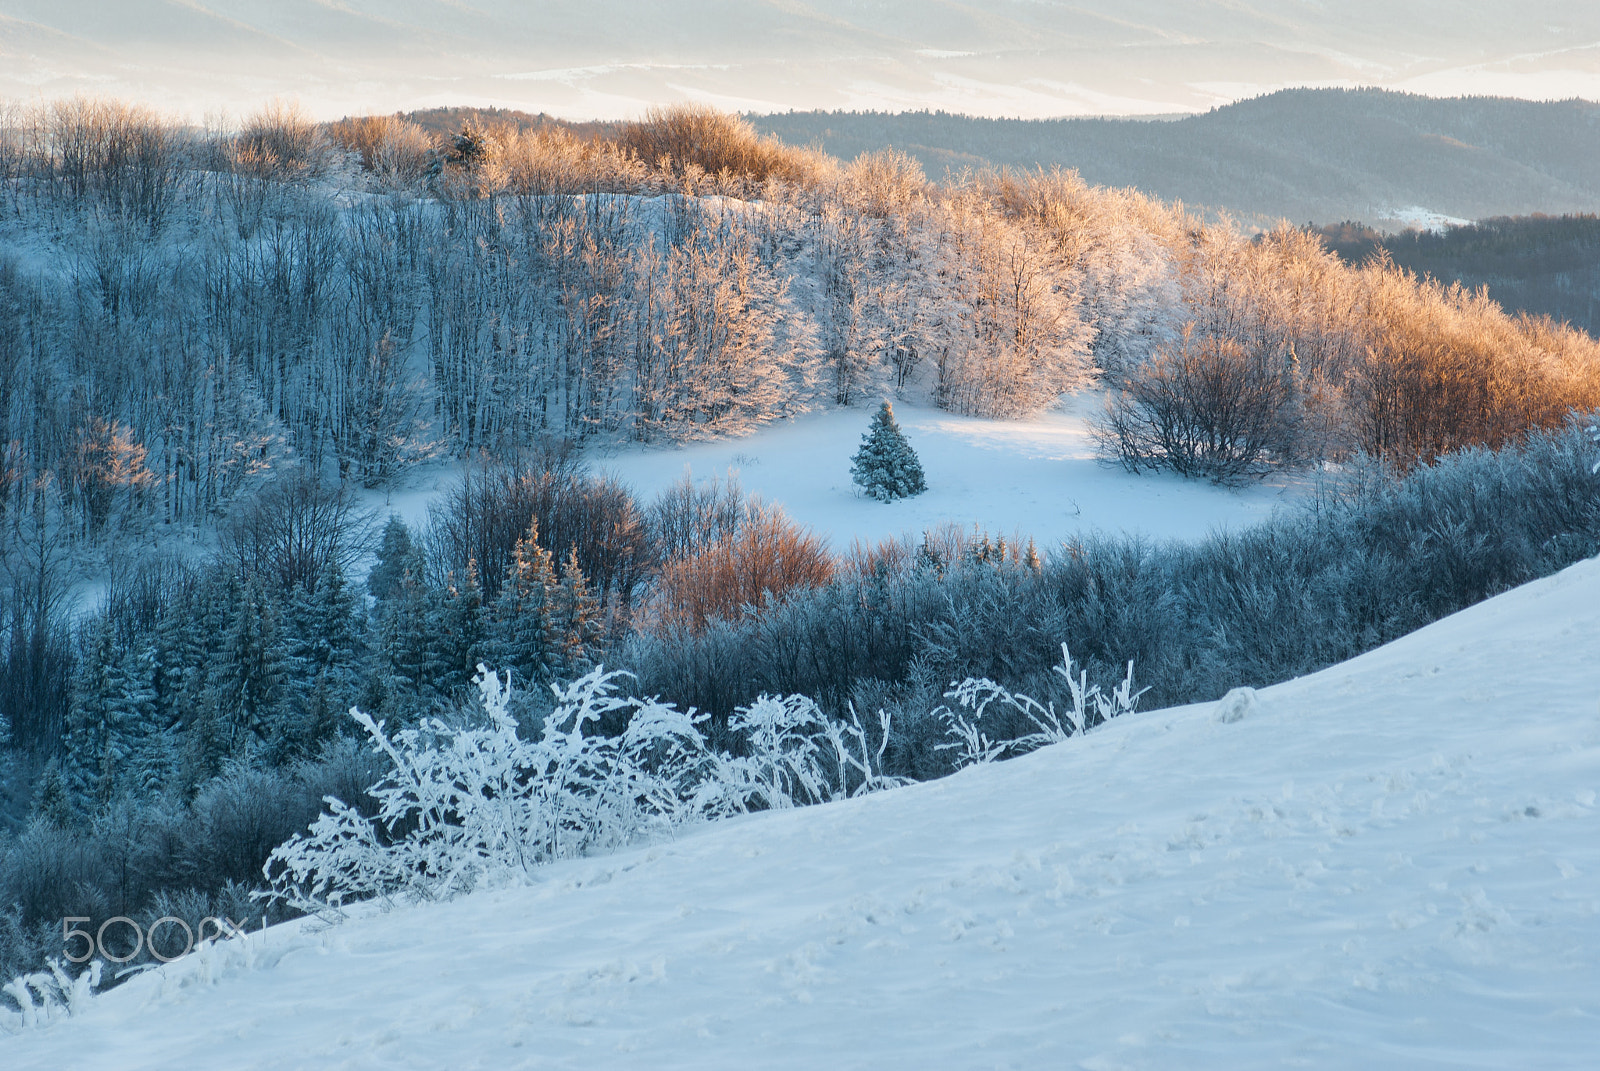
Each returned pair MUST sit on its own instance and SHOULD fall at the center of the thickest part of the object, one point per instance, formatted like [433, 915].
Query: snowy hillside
[1391, 863]
[614, 57]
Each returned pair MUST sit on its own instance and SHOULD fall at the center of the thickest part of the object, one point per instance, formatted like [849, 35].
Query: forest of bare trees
[184, 311]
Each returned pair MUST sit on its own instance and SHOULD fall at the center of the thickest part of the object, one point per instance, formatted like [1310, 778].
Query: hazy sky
[611, 58]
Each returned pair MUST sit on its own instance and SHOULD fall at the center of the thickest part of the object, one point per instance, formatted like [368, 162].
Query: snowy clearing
[1039, 477]
[1391, 863]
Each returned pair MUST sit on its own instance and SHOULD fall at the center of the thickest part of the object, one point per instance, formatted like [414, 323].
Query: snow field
[1040, 478]
[1391, 863]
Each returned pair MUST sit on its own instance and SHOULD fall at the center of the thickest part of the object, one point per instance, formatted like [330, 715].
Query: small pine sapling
[886, 467]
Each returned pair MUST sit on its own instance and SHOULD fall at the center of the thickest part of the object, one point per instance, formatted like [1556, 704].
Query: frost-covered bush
[798, 756]
[461, 804]
[1208, 407]
[43, 996]
[974, 696]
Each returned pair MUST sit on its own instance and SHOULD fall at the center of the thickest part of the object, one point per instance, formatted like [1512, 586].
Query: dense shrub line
[1368, 560]
[148, 858]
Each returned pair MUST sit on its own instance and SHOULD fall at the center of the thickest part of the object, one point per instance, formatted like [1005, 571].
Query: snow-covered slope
[612, 57]
[1392, 863]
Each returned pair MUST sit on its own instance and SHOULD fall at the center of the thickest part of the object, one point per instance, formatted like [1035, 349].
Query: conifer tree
[459, 631]
[52, 801]
[252, 670]
[324, 626]
[177, 656]
[207, 737]
[151, 744]
[95, 746]
[189, 649]
[524, 630]
[576, 617]
[397, 553]
[323, 656]
[405, 647]
[886, 466]
[112, 721]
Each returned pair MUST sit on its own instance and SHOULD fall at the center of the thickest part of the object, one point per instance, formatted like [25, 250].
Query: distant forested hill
[1300, 154]
[1547, 266]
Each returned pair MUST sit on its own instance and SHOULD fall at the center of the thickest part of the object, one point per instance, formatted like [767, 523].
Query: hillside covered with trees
[1541, 265]
[209, 340]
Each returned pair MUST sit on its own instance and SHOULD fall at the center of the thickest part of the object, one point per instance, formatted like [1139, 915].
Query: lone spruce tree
[886, 466]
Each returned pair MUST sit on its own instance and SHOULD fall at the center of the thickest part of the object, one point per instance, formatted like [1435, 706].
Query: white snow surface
[1394, 863]
[1419, 218]
[1038, 478]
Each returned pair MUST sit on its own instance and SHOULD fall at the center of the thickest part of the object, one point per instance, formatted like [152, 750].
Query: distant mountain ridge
[1371, 155]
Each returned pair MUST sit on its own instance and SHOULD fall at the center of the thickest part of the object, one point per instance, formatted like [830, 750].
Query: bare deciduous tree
[1209, 408]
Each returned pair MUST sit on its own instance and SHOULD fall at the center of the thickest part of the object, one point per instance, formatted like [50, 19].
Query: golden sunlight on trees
[767, 556]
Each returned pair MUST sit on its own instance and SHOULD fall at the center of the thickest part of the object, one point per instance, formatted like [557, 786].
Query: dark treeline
[1540, 265]
[157, 749]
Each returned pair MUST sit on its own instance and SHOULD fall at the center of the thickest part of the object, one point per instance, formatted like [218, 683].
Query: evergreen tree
[90, 743]
[177, 656]
[151, 744]
[112, 720]
[52, 801]
[207, 738]
[96, 742]
[459, 632]
[524, 638]
[886, 466]
[252, 671]
[397, 553]
[324, 657]
[575, 617]
[406, 651]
